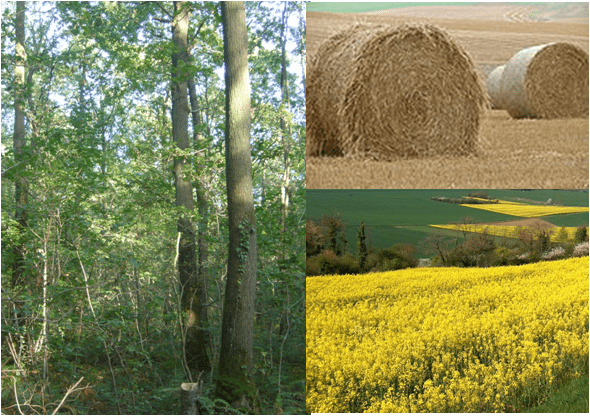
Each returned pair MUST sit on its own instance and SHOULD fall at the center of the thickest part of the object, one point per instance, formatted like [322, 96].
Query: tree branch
[13, 166]
[159, 19]
[151, 1]
[70, 390]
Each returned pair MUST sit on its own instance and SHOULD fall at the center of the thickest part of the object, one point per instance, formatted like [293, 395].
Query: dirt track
[535, 223]
[512, 153]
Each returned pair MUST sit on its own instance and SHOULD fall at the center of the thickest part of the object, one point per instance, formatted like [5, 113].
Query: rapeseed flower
[446, 339]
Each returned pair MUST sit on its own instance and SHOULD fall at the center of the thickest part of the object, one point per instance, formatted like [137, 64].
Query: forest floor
[510, 153]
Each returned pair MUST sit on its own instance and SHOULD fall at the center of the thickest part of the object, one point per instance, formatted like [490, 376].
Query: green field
[403, 216]
[369, 6]
[568, 220]
[362, 7]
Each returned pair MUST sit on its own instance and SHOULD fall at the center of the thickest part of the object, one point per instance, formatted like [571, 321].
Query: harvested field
[509, 153]
[531, 154]
[537, 223]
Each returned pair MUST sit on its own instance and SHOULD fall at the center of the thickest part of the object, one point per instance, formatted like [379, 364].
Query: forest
[153, 204]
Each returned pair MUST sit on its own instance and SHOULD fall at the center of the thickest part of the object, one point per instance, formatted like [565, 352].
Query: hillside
[403, 216]
[446, 340]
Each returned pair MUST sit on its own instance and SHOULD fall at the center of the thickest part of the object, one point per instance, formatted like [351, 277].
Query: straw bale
[327, 74]
[494, 87]
[546, 81]
[393, 92]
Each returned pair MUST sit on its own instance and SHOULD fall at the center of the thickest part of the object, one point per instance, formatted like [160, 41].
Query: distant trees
[482, 250]
[326, 247]
[581, 235]
[396, 257]
[324, 242]
[362, 246]
[326, 250]
[329, 234]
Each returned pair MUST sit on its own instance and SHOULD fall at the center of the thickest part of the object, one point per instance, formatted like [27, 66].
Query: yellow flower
[444, 340]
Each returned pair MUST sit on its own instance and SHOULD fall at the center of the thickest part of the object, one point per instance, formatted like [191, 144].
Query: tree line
[329, 252]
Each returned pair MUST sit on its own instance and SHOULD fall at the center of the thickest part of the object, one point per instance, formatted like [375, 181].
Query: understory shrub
[581, 249]
[396, 257]
[328, 263]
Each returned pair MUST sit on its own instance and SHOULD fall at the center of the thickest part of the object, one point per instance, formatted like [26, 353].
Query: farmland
[446, 339]
[505, 230]
[404, 216]
[510, 153]
[522, 210]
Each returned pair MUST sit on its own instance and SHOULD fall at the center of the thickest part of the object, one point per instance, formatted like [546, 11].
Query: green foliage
[581, 235]
[464, 200]
[102, 207]
[362, 246]
[329, 263]
[479, 194]
[570, 397]
[397, 257]
[314, 239]
[562, 236]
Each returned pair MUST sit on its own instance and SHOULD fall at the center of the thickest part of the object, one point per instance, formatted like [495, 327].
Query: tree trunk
[235, 383]
[189, 398]
[195, 346]
[20, 183]
[285, 130]
[203, 209]
[286, 138]
[302, 49]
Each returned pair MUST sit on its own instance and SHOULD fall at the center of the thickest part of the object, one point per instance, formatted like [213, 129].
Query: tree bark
[20, 184]
[285, 130]
[203, 209]
[235, 383]
[195, 346]
[189, 398]
[303, 41]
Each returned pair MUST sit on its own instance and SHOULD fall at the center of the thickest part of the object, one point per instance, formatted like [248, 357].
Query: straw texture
[546, 81]
[495, 87]
[327, 75]
[393, 92]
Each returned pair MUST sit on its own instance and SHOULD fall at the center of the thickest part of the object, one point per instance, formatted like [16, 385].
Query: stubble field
[510, 153]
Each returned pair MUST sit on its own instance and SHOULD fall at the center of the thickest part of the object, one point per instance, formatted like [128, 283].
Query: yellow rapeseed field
[509, 231]
[498, 201]
[445, 339]
[529, 211]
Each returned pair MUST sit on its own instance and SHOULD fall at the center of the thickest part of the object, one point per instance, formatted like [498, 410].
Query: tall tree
[195, 345]
[362, 246]
[235, 383]
[203, 210]
[285, 129]
[20, 184]
[101, 234]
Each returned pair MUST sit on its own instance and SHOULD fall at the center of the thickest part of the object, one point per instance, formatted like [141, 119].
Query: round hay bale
[494, 87]
[546, 81]
[394, 92]
[327, 74]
